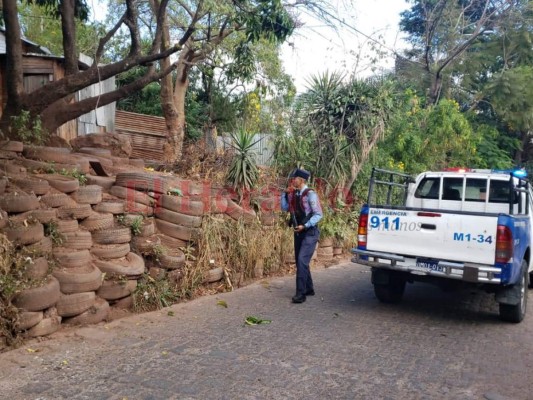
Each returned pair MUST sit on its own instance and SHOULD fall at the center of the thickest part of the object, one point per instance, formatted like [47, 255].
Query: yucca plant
[243, 172]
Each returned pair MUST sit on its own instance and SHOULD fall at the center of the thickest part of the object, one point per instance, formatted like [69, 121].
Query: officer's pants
[304, 247]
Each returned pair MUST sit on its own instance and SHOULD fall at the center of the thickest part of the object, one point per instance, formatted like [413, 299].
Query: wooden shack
[40, 66]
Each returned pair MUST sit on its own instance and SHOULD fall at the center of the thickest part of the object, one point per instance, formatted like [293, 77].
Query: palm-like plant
[346, 119]
[243, 172]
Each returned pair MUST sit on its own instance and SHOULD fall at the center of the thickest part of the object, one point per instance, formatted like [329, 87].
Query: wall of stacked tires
[77, 238]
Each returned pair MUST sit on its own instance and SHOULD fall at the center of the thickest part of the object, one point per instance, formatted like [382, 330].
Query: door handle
[428, 226]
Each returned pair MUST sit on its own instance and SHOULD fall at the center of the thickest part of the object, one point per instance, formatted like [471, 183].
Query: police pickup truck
[453, 228]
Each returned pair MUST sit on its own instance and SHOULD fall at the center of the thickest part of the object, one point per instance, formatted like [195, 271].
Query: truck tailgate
[436, 235]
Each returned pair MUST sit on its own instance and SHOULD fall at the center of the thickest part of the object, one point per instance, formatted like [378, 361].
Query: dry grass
[14, 263]
[241, 248]
[197, 161]
[153, 294]
[12, 280]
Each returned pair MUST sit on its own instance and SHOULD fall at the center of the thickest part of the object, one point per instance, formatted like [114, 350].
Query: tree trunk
[167, 103]
[14, 73]
[522, 150]
[210, 136]
[68, 28]
[180, 90]
[436, 87]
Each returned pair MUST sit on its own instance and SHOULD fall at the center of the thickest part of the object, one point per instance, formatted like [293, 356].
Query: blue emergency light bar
[517, 173]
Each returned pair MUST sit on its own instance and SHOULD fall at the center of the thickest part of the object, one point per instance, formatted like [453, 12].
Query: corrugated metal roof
[38, 48]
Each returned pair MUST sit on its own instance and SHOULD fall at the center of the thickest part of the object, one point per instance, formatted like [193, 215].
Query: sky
[315, 48]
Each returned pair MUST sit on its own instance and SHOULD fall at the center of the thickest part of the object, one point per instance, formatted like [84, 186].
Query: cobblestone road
[340, 344]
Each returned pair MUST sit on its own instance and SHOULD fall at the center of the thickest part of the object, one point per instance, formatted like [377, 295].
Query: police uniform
[305, 209]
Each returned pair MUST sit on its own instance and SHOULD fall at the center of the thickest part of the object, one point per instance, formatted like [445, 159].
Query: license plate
[428, 265]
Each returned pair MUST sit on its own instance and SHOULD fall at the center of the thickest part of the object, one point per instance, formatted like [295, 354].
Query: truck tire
[389, 289]
[516, 312]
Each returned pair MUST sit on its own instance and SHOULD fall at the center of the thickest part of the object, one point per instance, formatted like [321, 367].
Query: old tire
[42, 247]
[177, 218]
[176, 231]
[147, 228]
[170, 242]
[28, 319]
[516, 312]
[45, 327]
[98, 312]
[145, 245]
[182, 205]
[114, 290]
[110, 206]
[80, 240]
[79, 279]
[39, 298]
[325, 242]
[70, 305]
[37, 269]
[56, 200]
[131, 266]
[131, 195]
[174, 259]
[45, 215]
[110, 251]
[67, 225]
[214, 275]
[142, 181]
[237, 212]
[90, 194]
[98, 221]
[65, 184]
[12, 145]
[74, 211]
[112, 236]
[69, 258]
[24, 235]
[138, 208]
[126, 303]
[95, 151]
[105, 182]
[32, 185]
[17, 203]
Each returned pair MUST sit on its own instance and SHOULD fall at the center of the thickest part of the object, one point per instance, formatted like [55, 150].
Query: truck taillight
[362, 231]
[504, 244]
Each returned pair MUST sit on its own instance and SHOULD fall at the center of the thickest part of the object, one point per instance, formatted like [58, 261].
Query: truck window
[499, 192]
[452, 188]
[428, 188]
[476, 189]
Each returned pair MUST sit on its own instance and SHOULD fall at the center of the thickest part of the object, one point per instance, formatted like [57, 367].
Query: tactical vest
[298, 207]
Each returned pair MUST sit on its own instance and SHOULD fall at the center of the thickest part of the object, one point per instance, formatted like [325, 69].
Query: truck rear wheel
[516, 312]
[388, 286]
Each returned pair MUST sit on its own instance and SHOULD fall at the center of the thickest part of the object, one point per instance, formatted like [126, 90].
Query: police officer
[304, 207]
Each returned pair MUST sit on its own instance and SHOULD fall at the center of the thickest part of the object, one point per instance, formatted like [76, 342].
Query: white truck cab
[462, 227]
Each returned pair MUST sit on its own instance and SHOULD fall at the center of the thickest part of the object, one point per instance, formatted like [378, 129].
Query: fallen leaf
[32, 350]
[164, 353]
[222, 303]
[252, 320]
[170, 313]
